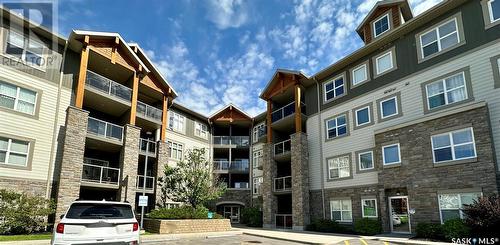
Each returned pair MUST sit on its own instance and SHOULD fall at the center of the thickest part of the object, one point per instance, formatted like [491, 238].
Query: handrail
[240, 140]
[221, 164]
[104, 129]
[143, 145]
[240, 165]
[283, 183]
[149, 111]
[100, 174]
[149, 182]
[285, 111]
[108, 86]
[222, 140]
[282, 147]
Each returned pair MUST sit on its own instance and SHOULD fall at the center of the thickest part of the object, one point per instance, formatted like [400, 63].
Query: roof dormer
[385, 16]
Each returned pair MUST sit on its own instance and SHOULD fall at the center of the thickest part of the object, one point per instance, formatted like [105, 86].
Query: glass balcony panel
[108, 86]
[221, 165]
[288, 110]
[283, 183]
[121, 91]
[104, 129]
[100, 174]
[96, 81]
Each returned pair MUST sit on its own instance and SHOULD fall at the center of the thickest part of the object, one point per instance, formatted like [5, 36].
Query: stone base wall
[129, 160]
[269, 200]
[355, 194]
[186, 226]
[315, 205]
[31, 187]
[162, 161]
[300, 180]
[236, 196]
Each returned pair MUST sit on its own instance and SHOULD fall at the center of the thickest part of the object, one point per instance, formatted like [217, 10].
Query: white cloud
[227, 13]
[420, 6]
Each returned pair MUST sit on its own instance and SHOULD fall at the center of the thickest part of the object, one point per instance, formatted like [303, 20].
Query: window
[14, 152]
[257, 157]
[341, 210]
[447, 91]
[359, 74]
[258, 131]
[17, 98]
[336, 127]
[175, 150]
[256, 185]
[384, 63]
[381, 25]
[494, 10]
[334, 88]
[440, 38]
[25, 49]
[200, 130]
[389, 107]
[369, 208]
[391, 154]
[450, 205]
[176, 122]
[365, 160]
[363, 116]
[339, 167]
[456, 145]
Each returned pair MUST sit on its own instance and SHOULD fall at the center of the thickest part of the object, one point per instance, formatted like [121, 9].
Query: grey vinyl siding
[311, 100]
[189, 126]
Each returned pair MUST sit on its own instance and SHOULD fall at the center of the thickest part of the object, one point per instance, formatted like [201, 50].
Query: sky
[216, 52]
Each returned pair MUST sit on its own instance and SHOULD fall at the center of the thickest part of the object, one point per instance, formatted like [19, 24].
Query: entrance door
[232, 213]
[398, 214]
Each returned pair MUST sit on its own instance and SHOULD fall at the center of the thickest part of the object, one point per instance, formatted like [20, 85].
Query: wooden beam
[164, 119]
[268, 119]
[82, 74]
[298, 110]
[114, 50]
[135, 94]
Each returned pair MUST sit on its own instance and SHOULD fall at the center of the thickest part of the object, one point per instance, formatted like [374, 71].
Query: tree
[483, 216]
[191, 181]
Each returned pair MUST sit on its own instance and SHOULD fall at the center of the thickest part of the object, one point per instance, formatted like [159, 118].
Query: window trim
[399, 155]
[42, 68]
[255, 130]
[394, 63]
[329, 178]
[201, 125]
[38, 97]
[170, 150]
[452, 146]
[366, 64]
[261, 155]
[495, 66]
[258, 183]
[363, 209]
[332, 80]
[358, 156]
[395, 98]
[488, 14]
[369, 116]
[341, 210]
[29, 157]
[172, 114]
[387, 15]
[346, 114]
[490, 11]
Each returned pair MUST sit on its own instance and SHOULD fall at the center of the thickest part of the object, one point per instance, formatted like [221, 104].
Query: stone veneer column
[75, 132]
[162, 160]
[300, 181]
[269, 200]
[129, 161]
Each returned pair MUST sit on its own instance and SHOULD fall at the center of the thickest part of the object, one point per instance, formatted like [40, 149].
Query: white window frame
[439, 38]
[363, 207]
[180, 120]
[335, 95]
[369, 115]
[453, 145]
[256, 131]
[379, 19]
[383, 154]
[337, 126]
[256, 157]
[490, 11]
[257, 181]
[338, 167]
[26, 41]
[200, 130]
[446, 91]
[359, 160]
[459, 203]
[363, 66]
[382, 108]
[390, 53]
[10, 151]
[17, 99]
[178, 148]
[341, 210]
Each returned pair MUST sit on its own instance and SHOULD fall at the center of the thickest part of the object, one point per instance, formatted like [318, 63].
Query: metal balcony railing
[282, 147]
[241, 185]
[284, 221]
[285, 111]
[148, 111]
[100, 174]
[283, 184]
[108, 86]
[150, 182]
[221, 165]
[240, 140]
[145, 149]
[104, 129]
[240, 165]
[222, 140]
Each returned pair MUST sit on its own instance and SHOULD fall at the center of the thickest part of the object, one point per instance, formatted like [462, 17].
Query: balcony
[283, 184]
[148, 112]
[147, 147]
[240, 165]
[222, 140]
[94, 174]
[108, 86]
[221, 165]
[284, 221]
[238, 141]
[241, 185]
[104, 130]
[150, 183]
[282, 150]
[286, 111]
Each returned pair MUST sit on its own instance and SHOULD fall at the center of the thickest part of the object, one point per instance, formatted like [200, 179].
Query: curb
[281, 239]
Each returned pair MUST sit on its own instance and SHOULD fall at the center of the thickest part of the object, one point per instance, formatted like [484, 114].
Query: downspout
[50, 173]
[321, 149]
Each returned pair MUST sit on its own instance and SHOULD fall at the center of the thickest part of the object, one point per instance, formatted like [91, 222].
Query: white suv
[94, 222]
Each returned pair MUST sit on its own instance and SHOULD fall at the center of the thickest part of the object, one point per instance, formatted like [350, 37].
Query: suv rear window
[99, 211]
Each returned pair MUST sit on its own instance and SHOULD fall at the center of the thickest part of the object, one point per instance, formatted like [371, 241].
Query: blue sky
[216, 52]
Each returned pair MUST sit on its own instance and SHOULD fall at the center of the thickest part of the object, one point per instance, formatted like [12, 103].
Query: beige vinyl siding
[482, 80]
[256, 172]
[313, 138]
[188, 144]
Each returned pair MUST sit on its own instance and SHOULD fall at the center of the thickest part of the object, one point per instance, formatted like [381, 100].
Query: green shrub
[326, 225]
[367, 226]
[22, 213]
[483, 216]
[455, 228]
[251, 217]
[430, 231]
[183, 212]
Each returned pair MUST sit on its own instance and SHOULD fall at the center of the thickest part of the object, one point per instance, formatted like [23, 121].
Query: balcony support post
[82, 73]
[269, 122]
[164, 118]
[135, 93]
[298, 109]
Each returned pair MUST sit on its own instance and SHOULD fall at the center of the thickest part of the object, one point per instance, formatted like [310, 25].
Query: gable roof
[405, 10]
[275, 79]
[230, 106]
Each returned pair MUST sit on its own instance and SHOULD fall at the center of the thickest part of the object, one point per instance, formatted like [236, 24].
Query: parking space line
[346, 242]
[363, 241]
[386, 243]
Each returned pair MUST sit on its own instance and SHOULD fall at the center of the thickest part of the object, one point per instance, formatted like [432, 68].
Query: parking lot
[222, 239]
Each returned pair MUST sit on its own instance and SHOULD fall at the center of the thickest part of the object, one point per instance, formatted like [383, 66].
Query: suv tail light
[60, 228]
[135, 226]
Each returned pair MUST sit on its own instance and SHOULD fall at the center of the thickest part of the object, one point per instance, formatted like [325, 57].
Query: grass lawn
[38, 236]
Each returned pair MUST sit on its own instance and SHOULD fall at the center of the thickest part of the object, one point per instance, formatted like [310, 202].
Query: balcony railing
[108, 86]
[221, 165]
[240, 165]
[284, 221]
[100, 174]
[232, 140]
[222, 140]
[282, 147]
[104, 129]
[150, 182]
[286, 111]
[147, 146]
[241, 185]
[283, 184]
[148, 111]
